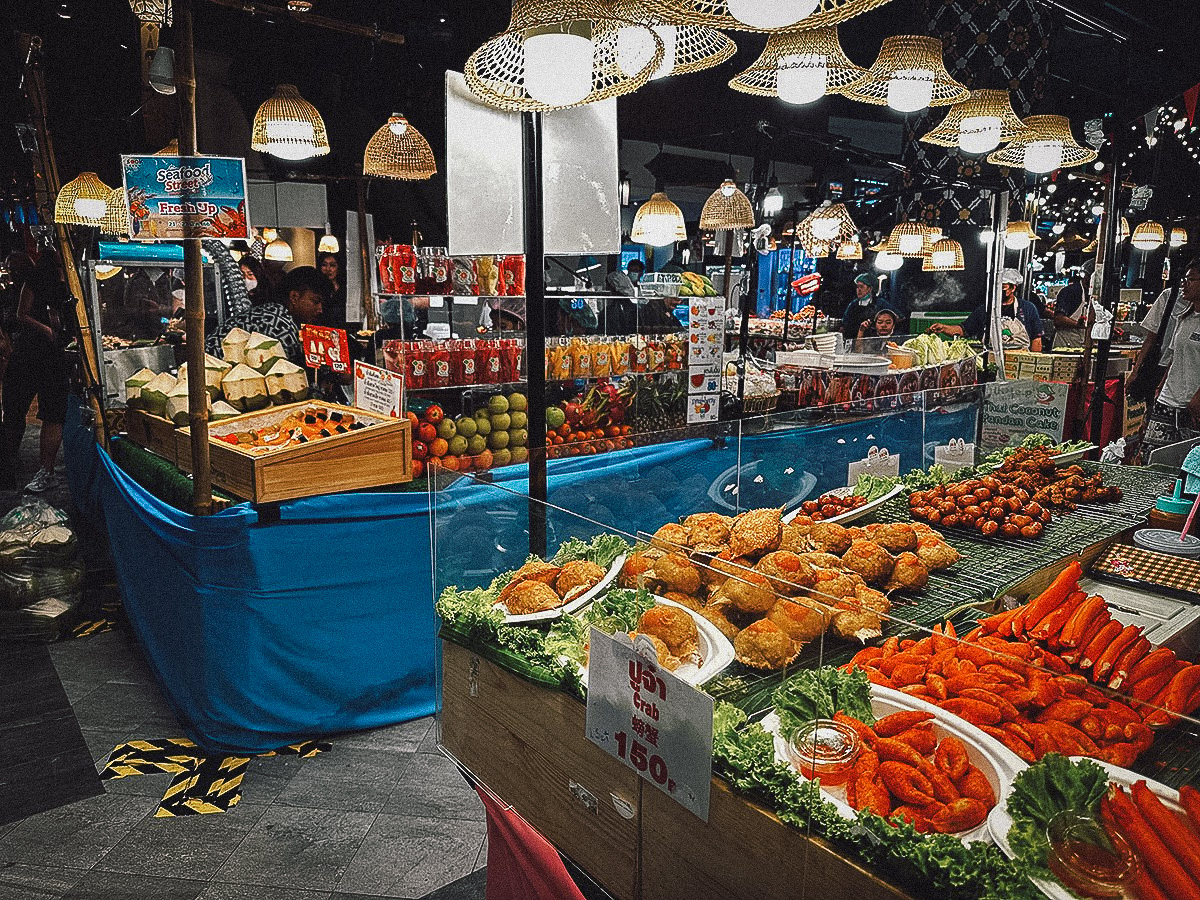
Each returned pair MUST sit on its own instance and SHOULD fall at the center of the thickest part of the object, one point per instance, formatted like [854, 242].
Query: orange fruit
[450, 462]
[439, 447]
[483, 461]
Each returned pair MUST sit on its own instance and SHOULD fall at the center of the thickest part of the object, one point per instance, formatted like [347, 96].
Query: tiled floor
[382, 814]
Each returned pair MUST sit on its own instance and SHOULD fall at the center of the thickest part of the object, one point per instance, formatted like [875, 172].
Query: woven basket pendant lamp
[1048, 146]
[1019, 235]
[116, 216]
[826, 227]
[800, 67]
[686, 48]
[909, 240]
[658, 222]
[979, 124]
[909, 75]
[561, 53]
[762, 15]
[850, 250]
[727, 208]
[1179, 238]
[289, 127]
[398, 150]
[82, 201]
[1149, 236]
[157, 12]
[945, 255]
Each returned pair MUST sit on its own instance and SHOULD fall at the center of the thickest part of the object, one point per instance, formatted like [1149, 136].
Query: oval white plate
[567, 608]
[999, 821]
[851, 515]
[998, 764]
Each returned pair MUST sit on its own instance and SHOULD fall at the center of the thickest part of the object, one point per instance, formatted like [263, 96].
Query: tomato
[434, 414]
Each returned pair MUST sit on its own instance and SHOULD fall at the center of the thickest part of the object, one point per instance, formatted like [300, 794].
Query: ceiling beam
[255, 7]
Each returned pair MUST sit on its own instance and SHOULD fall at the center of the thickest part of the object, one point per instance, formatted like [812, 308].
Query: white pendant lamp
[769, 15]
[559, 61]
[978, 125]
[888, 262]
[288, 127]
[1019, 236]
[800, 67]
[686, 48]
[1179, 237]
[1149, 236]
[772, 204]
[909, 75]
[658, 222]
[1047, 146]
[82, 201]
[279, 250]
[329, 242]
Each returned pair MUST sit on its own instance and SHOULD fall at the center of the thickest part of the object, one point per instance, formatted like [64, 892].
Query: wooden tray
[154, 433]
[368, 457]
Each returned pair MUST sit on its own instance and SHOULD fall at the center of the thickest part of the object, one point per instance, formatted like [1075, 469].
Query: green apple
[498, 440]
[458, 445]
[555, 417]
[446, 429]
[501, 458]
[483, 425]
[476, 444]
[498, 404]
[520, 455]
[519, 420]
[518, 437]
[518, 402]
[501, 422]
[466, 426]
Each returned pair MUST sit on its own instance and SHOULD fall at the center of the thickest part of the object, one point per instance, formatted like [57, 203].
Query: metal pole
[364, 256]
[193, 278]
[787, 294]
[535, 327]
[995, 300]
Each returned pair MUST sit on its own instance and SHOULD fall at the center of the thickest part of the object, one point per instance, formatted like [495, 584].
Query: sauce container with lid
[824, 749]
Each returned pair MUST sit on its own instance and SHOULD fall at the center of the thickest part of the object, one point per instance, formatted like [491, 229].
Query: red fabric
[522, 865]
[1190, 96]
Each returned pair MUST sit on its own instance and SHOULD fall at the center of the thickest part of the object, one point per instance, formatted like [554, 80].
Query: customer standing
[1176, 413]
[335, 307]
[1070, 313]
[861, 309]
[38, 367]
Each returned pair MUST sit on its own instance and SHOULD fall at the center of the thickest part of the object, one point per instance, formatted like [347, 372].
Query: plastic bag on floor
[41, 572]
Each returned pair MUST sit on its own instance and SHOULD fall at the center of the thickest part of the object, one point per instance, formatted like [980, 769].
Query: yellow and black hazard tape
[94, 626]
[202, 784]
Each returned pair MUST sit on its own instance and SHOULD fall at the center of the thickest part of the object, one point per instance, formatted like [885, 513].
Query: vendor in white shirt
[1176, 413]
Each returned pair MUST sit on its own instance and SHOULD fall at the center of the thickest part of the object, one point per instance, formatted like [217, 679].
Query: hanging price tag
[650, 720]
[878, 462]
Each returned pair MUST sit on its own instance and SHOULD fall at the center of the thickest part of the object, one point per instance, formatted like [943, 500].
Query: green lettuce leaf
[1052, 785]
[819, 693]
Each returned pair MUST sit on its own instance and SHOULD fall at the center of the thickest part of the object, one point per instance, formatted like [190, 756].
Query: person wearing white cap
[1020, 324]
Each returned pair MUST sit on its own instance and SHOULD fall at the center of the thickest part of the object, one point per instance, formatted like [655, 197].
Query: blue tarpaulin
[263, 633]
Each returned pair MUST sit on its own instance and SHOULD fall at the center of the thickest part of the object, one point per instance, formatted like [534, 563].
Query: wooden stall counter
[526, 744]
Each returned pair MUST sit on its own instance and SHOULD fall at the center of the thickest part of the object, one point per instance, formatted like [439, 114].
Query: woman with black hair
[258, 285]
[335, 309]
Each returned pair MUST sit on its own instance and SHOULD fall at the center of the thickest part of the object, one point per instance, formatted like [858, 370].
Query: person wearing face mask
[861, 309]
[258, 286]
[1020, 324]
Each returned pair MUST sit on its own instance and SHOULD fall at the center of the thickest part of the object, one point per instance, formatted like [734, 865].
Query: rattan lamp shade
[658, 222]
[795, 55]
[397, 150]
[686, 48]
[172, 148]
[289, 127]
[1179, 237]
[1048, 136]
[82, 201]
[850, 250]
[908, 239]
[945, 255]
[720, 13]
[991, 105]
[116, 217]
[905, 57]
[157, 12]
[1149, 236]
[727, 208]
[825, 227]
[507, 73]
[1019, 235]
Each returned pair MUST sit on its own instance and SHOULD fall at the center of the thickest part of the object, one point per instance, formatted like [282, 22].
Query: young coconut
[261, 352]
[245, 389]
[221, 410]
[233, 345]
[153, 396]
[214, 370]
[286, 383]
[177, 404]
[133, 387]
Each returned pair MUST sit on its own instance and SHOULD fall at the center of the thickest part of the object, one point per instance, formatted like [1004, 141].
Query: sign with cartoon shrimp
[175, 197]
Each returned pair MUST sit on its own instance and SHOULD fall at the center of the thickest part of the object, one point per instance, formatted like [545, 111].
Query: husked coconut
[233, 345]
[221, 410]
[133, 387]
[153, 397]
[177, 404]
[261, 352]
[245, 389]
[286, 383]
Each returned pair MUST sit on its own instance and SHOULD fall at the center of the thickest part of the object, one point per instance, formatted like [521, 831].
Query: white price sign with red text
[652, 721]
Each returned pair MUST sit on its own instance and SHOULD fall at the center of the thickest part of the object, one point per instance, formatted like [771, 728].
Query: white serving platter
[567, 608]
[851, 515]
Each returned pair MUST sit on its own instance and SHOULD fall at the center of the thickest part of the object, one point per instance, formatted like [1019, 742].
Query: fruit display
[772, 587]
[591, 423]
[695, 285]
[312, 423]
[598, 356]
[494, 434]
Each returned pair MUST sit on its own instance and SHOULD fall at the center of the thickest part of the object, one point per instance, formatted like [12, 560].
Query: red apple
[434, 414]
[427, 432]
[420, 450]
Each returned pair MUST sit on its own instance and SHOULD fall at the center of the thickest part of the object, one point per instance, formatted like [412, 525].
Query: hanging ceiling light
[560, 53]
[686, 48]
[172, 148]
[278, 250]
[979, 124]
[761, 15]
[727, 208]
[299, 6]
[329, 242]
[289, 127]
[908, 239]
[105, 271]
[945, 255]
[269, 234]
[850, 250]
[826, 226]
[909, 75]
[116, 216]
[1149, 236]
[800, 67]
[1048, 145]
[1179, 237]
[82, 201]
[161, 73]
[772, 204]
[398, 150]
[1019, 236]
[888, 262]
[658, 222]
[155, 12]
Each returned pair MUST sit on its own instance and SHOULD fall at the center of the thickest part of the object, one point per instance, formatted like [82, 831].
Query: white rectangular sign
[378, 390]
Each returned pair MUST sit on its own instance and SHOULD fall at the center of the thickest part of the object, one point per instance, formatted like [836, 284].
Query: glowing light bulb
[90, 209]
[910, 90]
[1017, 241]
[558, 66]
[1043, 156]
[888, 262]
[636, 47]
[911, 244]
[826, 228]
[803, 77]
[979, 134]
[772, 202]
[771, 14]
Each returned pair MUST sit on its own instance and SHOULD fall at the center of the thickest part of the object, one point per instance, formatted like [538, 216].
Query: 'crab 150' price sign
[652, 721]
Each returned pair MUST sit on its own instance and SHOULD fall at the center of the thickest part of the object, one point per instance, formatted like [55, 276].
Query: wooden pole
[315, 19]
[193, 277]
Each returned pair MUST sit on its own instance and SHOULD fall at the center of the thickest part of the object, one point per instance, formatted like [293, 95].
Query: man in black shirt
[861, 308]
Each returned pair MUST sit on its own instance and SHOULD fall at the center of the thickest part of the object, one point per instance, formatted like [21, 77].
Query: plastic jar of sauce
[824, 749]
[1087, 859]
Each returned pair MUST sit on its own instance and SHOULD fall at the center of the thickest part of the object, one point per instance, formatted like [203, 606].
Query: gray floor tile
[75, 835]
[149, 786]
[96, 885]
[22, 882]
[184, 846]
[302, 848]
[218, 891]
[348, 778]
[406, 736]
[432, 786]
[77, 690]
[102, 741]
[267, 776]
[481, 859]
[430, 743]
[409, 856]
[469, 887]
[118, 705]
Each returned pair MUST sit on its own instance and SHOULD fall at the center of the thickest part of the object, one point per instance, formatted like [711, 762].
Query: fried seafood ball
[764, 645]
[724, 565]
[836, 583]
[756, 532]
[578, 577]
[708, 532]
[857, 624]
[909, 573]
[521, 598]
[750, 592]
[786, 571]
[876, 601]
[674, 627]
[666, 659]
[795, 538]
[798, 620]
[829, 537]
[822, 560]
[923, 530]
[636, 566]
[671, 537]
[936, 553]
[676, 573]
[893, 537]
[537, 570]
[684, 600]
[869, 560]
[718, 612]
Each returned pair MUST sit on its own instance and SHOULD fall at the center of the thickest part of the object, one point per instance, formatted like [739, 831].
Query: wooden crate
[154, 433]
[370, 457]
